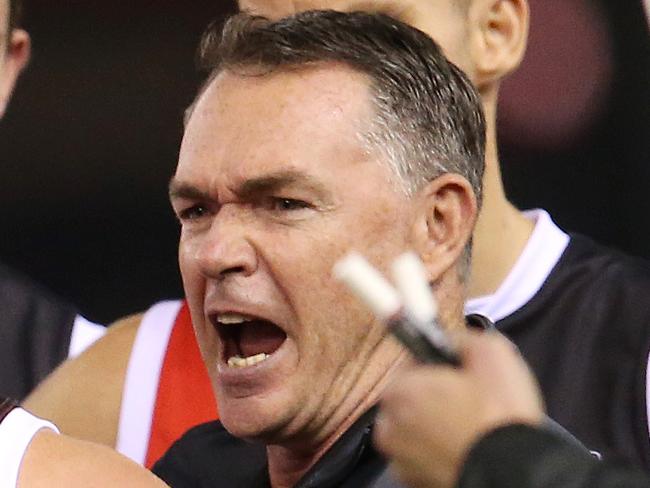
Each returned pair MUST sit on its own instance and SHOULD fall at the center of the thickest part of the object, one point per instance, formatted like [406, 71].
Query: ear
[498, 38]
[15, 59]
[444, 222]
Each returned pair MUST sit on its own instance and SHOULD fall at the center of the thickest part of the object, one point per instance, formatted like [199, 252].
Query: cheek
[193, 282]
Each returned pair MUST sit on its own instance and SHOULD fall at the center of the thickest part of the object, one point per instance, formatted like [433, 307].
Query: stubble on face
[335, 354]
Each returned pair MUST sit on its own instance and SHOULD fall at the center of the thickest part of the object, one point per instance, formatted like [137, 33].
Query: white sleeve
[84, 334]
[16, 432]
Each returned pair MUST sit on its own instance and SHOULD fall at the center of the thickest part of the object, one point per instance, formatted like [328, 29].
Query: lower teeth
[240, 362]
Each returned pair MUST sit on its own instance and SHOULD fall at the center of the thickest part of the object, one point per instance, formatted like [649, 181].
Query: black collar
[352, 457]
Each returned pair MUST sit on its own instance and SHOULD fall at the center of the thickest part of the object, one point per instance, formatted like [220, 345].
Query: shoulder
[594, 300]
[614, 284]
[601, 262]
[83, 395]
[56, 460]
[593, 281]
[17, 430]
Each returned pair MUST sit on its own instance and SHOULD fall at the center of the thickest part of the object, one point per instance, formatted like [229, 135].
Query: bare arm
[57, 460]
[83, 395]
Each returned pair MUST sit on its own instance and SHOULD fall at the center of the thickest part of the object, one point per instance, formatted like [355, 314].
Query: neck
[287, 466]
[501, 231]
[288, 463]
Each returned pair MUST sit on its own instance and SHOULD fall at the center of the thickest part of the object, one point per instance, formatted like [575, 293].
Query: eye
[192, 213]
[286, 204]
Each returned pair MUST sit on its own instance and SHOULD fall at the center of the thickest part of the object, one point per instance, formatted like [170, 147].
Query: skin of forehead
[444, 20]
[4, 22]
[345, 103]
[404, 10]
[287, 7]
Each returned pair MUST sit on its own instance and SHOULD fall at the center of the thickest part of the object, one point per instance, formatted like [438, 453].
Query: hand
[431, 416]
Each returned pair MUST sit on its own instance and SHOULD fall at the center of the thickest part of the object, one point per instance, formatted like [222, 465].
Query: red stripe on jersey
[185, 398]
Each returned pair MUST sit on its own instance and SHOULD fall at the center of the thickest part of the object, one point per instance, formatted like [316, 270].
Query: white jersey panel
[142, 378]
[540, 255]
[84, 334]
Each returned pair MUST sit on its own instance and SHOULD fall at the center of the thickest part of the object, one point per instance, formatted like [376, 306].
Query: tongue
[260, 337]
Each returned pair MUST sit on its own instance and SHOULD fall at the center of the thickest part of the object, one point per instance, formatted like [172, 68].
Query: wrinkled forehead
[280, 112]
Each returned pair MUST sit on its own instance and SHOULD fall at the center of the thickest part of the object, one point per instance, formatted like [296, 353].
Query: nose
[225, 248]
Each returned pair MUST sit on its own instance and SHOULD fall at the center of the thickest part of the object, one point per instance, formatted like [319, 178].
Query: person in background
[34, 454]
[37, 330]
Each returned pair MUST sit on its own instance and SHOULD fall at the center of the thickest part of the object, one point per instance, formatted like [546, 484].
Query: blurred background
[91, 137]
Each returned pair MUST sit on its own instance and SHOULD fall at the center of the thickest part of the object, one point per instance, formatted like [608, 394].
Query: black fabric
[6, 406]
[586, 335]
[209, 456]
[479, 322]
[35, 330]
[519, 456]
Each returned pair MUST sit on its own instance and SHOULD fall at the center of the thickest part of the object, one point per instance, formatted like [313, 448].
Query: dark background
[90, 139]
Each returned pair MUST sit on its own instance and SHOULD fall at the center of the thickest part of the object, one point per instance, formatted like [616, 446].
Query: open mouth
[246, 340]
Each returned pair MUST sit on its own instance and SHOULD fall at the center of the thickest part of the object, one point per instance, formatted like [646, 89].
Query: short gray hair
[428, 121]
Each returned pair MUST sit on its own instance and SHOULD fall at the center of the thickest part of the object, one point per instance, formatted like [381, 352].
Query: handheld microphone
[409, 312]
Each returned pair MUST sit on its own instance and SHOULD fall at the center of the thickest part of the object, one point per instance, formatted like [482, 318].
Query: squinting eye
[192, 213]
[287, 204]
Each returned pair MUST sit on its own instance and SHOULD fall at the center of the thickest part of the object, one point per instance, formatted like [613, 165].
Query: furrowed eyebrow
[273, 182]
[254, 187]
[179, 189]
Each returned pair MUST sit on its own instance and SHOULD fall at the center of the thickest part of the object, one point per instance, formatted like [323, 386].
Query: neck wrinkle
[287, 465]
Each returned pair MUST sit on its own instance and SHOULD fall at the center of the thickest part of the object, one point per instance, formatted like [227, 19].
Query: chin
[251, 419]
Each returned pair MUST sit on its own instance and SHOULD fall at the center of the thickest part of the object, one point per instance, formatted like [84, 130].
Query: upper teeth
[240, 362]
[233, 318]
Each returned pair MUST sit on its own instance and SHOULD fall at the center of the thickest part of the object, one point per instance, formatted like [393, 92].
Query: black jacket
[208, 456]
[519, 456]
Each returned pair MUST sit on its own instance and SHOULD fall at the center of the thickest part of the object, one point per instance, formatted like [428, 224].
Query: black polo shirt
[208, 456]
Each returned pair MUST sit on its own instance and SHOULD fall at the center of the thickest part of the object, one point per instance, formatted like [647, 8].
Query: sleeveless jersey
[167, 389]
[578, 312]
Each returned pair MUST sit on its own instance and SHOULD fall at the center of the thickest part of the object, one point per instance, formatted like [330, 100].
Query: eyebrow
[255, 187]
[179, 189]
[279, 180]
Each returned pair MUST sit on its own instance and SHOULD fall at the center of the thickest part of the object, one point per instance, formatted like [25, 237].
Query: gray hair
[428, 116]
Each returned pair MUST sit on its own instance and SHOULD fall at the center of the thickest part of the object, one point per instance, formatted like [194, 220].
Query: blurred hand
[431, 416]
